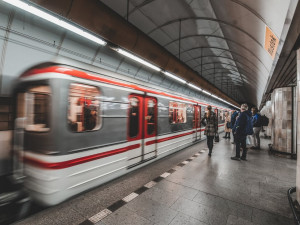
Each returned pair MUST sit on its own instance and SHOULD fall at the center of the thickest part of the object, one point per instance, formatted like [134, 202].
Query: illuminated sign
[271, 42]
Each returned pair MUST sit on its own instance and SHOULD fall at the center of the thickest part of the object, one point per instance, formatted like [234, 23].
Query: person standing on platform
[227, 125]
[256, 121]
[233, 119]
[240, 130]
[210, 122]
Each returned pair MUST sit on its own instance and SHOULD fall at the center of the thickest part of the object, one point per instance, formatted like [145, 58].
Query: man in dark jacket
[256, 121]
[240, 133]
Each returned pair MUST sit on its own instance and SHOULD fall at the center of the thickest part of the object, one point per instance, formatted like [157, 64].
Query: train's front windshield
[33, 105]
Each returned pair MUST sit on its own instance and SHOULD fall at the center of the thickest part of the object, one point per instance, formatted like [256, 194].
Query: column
[297, 124]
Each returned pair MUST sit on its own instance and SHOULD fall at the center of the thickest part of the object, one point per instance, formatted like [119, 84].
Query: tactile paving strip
[118, 204]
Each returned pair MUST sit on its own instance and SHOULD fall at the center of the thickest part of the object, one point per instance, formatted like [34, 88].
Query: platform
[188, 188]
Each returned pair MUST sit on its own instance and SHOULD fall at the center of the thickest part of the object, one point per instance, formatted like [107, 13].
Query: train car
[79, 127]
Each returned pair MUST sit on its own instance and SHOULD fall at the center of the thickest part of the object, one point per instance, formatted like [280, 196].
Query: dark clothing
[211, 128]
[240, 124]
[233, 118]
[210, 143]
[211, 124]
[227, 134]
[233, 136]
[256, 120]
[240, 133]
[240, 142]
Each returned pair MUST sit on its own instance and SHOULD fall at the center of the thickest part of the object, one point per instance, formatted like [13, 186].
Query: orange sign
[271, 42]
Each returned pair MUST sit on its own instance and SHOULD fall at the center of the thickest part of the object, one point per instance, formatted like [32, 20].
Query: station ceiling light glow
[195, 87]
[77, 30]
[135, 58]
[46, 16]
[174, 77]
[206, 92]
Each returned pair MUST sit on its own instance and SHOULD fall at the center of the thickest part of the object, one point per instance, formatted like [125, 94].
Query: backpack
[249, 126]
[264, 120]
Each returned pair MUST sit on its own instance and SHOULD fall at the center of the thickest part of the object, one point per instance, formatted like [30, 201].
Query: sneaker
[243, 158]
[209, 154]
[232, 143]
[236, 158]
[252, 147]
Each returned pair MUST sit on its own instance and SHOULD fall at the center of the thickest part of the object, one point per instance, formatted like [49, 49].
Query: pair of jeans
[240, 142]
[210, 143]
[255, 136]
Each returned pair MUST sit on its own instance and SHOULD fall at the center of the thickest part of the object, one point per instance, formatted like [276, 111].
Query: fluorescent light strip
[195, 87]
[175, 77]
[206, 92]
[55, 20]
[135, 58]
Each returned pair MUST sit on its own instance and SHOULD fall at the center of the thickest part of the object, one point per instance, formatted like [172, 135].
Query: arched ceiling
[222, 40]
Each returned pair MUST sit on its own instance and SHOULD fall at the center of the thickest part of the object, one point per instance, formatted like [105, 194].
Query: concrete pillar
[298, 127]
[282, 106]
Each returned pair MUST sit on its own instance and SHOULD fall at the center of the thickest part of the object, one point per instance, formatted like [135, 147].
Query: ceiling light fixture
[174, 77]
[135, 58]
[206, 92]
[195, 87]
[46, 16]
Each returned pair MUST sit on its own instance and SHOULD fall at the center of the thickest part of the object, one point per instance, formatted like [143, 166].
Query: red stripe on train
[168, 138]
[74, 162]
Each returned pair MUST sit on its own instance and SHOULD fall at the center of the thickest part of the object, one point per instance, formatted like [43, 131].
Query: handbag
[228, 125]
[217, 139]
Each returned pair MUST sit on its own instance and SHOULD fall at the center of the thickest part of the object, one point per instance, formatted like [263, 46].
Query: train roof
[93, 73]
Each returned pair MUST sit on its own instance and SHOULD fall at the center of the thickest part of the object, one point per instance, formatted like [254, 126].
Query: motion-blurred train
[77, 127]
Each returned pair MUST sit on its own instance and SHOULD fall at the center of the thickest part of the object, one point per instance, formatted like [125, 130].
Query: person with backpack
[242, 128]
[210, 121]
[256, 122]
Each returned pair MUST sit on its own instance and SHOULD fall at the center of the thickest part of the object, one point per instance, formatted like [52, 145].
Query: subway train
[78, 126]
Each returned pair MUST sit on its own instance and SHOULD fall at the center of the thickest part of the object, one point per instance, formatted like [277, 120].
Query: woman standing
[210, 122]
[227, 125]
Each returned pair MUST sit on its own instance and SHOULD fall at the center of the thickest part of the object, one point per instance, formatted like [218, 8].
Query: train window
[37, 102]
[84, 108]
[177, 112]
[133, 117]
[222, 116]
[150, 117]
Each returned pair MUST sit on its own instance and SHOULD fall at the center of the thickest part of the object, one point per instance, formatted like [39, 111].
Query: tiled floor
[217, 191]
[206, 190]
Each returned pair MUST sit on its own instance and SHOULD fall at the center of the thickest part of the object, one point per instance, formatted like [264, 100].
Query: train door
[202, 127]
[142, 128]
[197, 120]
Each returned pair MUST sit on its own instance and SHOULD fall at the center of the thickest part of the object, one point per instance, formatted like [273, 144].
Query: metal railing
[294, 210]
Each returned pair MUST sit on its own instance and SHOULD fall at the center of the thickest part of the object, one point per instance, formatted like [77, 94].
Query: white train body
[76, 129]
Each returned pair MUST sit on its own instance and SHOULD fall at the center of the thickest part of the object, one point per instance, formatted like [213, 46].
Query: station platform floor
[188, 188]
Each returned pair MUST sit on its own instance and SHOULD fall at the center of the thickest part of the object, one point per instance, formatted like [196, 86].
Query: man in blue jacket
[256, 121]
[240, 133]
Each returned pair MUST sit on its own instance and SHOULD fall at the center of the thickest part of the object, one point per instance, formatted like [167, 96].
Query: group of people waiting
[239, 124]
